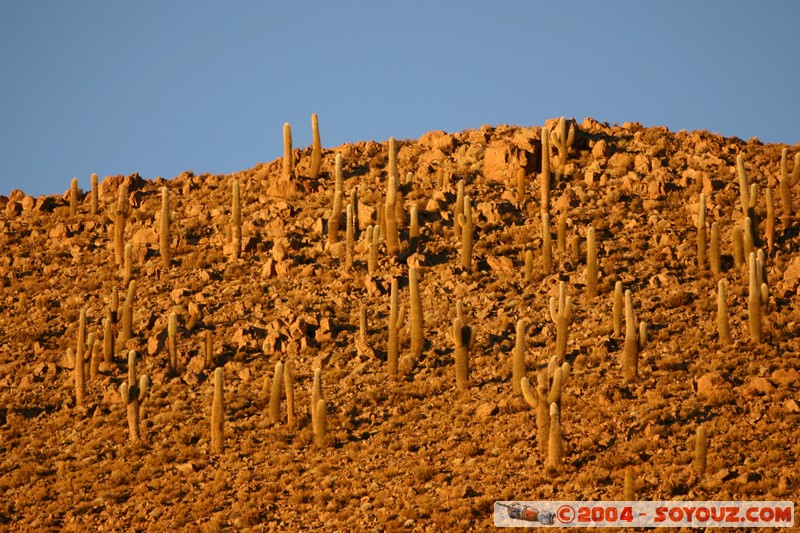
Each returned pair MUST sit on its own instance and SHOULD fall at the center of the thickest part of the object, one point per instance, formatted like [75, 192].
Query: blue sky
[160, 87]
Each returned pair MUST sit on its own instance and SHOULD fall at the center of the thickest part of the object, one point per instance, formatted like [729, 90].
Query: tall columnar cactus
[392, 236]
[172, 343]
[629, 490]
[288, 162]
[288, 385]
[80, 362]
[393, 349]
[392, 170]
[528, 269]
[633, 342]
[770, 229]
[758, 296]
[547, 245]
[723, 320]
[114, 306]
[275, 394]
[700, 451]
[354, 206]
[561, 234]
[321, 424]
[561, 314]
[316, 395]
[373, 241]
[338, 199]
[555, 452]
[218, 412]
[749, 197]
[538, 401]
[362, 323]
[73, 197]
[236, 221]
[349, 238]
[164, 233]
[591, 262]
[563, 139]
[788, 182]
[544, 177]
[518, 367]
[119, 217]
[458, 209]
[93, 358]
[465, 221]
[738, 247]
[413, 231]
[127, 270]
[702, 237]
[133, 393]
[127, 314]
[108, 340]
[208, 349]
[749, 237]
[715, 257]
[618, 308]
[95, 198]
[521, 186]
[316, 148]
[416, 315]
[462, 337]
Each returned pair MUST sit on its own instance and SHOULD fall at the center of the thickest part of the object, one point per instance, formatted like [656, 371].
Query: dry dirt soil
[412, 452]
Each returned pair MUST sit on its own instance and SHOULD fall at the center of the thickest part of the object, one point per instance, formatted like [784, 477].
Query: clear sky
[158, 87]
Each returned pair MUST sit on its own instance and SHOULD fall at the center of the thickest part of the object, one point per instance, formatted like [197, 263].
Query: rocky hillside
[413, 450]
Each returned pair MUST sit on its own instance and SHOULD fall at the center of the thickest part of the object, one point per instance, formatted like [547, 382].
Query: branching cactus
[518, 367]
[702, 237]
[723, 320]
[164, 233]
[788, 182]
[462, 340]
[133, 393]
[561, 314]
[218, 412]
[172, 344]
[275, 394]
[545, 175]
[338, 199]
[288, 163]
[633, 342]
[236, 221]
[458, 209]
[715, 257]
[555, 452]
[316, 148]
[563, 139]
[591, 262]
[618, 308]
[465, 221]
[95, 198]
[547, 245]
[73, 197]
[700, 451]
[538, 401]
[392, 236]
[127, 314]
